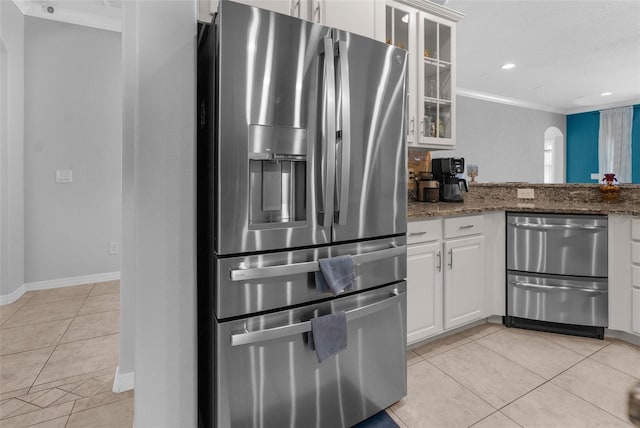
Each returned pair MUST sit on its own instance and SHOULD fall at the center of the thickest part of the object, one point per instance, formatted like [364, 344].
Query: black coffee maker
[445, 170]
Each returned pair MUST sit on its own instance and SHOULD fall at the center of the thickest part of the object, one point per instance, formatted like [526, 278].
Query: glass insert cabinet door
[401, 32]
[438, 74]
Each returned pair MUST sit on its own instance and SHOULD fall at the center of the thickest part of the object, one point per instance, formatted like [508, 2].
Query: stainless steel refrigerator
[301, 156]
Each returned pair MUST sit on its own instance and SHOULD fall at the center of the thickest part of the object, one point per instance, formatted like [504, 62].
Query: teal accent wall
[635, 145]
[582, 146]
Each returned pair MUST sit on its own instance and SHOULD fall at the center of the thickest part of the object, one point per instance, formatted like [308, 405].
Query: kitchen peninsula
[456, 254]
[549, 198]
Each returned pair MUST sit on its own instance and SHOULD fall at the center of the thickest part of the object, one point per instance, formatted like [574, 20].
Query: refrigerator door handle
[251, 337]
[328, 166]
[309, 267]
[345, 134]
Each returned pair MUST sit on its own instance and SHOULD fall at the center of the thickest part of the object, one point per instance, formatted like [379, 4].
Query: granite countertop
[424, 210]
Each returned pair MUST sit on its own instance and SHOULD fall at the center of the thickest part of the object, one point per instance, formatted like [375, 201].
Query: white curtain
[614, 143]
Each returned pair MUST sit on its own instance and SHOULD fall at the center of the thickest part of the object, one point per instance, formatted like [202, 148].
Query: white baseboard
[123, 381]
[6, 299]
[57, 283]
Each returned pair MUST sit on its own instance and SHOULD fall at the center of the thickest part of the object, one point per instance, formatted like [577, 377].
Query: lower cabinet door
[635, 316]
[424, 291]
[464, 284]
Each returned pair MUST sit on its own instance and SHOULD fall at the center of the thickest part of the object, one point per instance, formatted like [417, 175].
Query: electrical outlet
[114, 248]
[64, 176]
[595, 176]
[525, 194]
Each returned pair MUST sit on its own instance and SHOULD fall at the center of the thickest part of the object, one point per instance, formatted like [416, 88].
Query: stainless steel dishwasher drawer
[558, 299]
[557, 244]
[268, 374]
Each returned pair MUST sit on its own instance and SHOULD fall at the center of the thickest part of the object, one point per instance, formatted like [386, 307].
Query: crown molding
[470, 93]
[74, 12]
[435, 9]
[622, 103]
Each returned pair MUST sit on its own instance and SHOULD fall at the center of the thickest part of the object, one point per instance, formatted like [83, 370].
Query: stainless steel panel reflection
[279, 382]
[557, 244]
[237, 296]
[374, 110]
[560, 299]
[269, 84]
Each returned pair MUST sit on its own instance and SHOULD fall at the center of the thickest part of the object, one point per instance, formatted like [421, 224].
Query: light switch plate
[525, 194]
[114, 248]
[64, 176]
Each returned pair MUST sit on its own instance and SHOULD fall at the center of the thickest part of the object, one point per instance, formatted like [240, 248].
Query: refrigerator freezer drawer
[268, 374]
[256, 283]
[565, 300]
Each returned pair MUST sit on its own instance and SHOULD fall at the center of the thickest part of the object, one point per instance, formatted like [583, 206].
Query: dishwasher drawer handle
[556, 226]
[308, 267]
[555, 287]
[250, 337]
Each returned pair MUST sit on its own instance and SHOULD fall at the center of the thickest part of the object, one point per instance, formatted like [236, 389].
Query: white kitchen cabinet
[623, 303]
[428, 32]
[464, 281]
[424, 280]
[445, 275]
[635, 275]
[424, 291]
[364, 17]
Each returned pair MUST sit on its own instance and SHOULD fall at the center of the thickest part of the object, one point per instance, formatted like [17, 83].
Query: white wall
[128, 276]
[506, 142]
[162, 143]
[72, 115]
[11, 148]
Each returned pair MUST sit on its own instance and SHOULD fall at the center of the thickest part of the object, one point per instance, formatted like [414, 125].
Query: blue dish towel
[335, 275]
[329, 333]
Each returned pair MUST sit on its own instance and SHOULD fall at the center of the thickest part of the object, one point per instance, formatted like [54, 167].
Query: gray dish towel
[329, 334]
[335, 275]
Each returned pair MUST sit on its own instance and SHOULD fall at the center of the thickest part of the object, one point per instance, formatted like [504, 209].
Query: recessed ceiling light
[405, 18]
[507, 66]
[606, 94]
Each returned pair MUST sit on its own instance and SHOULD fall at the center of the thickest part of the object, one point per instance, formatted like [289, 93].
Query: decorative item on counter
[472, 171]
[610, 188]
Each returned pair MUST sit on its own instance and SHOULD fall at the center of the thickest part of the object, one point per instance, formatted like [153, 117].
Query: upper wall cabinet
[427, 31]
[364, 17]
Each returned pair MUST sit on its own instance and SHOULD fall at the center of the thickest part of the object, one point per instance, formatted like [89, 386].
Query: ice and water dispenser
[277, 176]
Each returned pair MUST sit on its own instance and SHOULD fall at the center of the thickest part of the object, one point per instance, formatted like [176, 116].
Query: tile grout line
[497, 411]
[65, 332]
[610, 366]
[524, 394]
[26, 299]
[558, 386]
[50, 355]
[463, 386]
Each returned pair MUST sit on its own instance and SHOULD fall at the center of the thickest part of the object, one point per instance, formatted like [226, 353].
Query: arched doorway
[554, 149]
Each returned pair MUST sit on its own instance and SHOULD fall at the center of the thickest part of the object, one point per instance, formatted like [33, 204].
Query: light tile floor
[491, 376]
[58, 358]
[59, 352]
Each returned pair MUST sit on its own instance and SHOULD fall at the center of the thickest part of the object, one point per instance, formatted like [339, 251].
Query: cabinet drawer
[635, 229]
[463, 226]
[635, 252]
[635, 313]
[424, 231]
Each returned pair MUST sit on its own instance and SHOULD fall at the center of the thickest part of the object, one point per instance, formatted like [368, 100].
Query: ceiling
[567, 52]
[103, 14]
